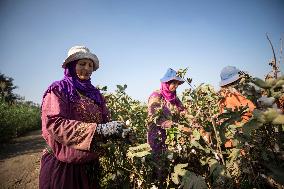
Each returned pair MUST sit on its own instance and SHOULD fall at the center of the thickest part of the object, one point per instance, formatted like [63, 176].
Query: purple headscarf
[71, 84]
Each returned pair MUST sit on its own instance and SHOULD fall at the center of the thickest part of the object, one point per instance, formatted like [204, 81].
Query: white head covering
[80, 52]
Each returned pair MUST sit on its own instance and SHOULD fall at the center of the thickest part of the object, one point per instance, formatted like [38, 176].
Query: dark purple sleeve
[69, 139]
[154, 106]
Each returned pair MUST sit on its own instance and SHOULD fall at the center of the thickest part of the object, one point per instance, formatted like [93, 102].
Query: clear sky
[136, 40]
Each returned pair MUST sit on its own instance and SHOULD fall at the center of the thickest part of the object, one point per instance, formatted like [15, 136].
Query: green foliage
[124, 108]
[191, 160]
[179, 171]
[192, 181]
[18, 118]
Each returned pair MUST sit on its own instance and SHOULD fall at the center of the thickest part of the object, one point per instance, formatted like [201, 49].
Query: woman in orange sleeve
[232, 97]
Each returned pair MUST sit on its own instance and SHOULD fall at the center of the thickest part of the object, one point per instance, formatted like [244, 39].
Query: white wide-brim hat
[81, 52]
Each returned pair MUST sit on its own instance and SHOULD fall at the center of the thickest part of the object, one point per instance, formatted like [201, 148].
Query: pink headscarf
[170, 96]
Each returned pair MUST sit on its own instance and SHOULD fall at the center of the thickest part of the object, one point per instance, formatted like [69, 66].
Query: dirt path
[20, 161]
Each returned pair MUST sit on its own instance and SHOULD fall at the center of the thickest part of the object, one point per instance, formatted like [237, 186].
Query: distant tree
[6, 89]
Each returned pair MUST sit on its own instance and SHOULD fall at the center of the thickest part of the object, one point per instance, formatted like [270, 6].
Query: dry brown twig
[273, 63]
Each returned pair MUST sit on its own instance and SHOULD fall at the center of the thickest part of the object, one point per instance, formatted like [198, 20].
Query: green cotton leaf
[196, 134]
[276, 95]
[216, 169]
[213, 163]
[234, 154]
[210, 161]
[178, 171]
[264, 156]
[172, 132]
[139, 151]
[120, 88]
[140, 154]
[175, 178]
[231, 130]
[192, 181]
[104, 88]
[181, 72]
[222, 134]
[278, 120]
[198, 146]
[276, 172]
[234, 114]
[250, 126]
[140, 147]
[124, 86]
[278, 84]
[270, 115]
[120, 118]
[189, 80]
[179, 168]
[234, 127]
[260, 83]
[203, 162]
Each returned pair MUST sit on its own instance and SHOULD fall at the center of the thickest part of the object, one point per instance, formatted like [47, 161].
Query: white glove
[110, 128]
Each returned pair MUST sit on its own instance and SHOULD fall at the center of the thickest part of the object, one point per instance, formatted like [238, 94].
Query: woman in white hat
[232, 97]
[74, 119]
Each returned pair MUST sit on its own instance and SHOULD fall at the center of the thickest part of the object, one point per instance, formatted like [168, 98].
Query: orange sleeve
[251, 106]
[234, 100]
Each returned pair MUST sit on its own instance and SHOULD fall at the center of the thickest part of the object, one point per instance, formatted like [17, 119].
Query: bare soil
[20, 161]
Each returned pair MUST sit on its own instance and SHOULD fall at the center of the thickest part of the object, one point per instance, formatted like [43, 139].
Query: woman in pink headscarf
[163, 104]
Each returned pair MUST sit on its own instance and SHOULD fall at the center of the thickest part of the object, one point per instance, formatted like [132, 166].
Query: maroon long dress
[68, 128]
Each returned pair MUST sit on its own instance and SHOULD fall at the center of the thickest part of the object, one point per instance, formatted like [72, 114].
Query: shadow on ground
[27, 144]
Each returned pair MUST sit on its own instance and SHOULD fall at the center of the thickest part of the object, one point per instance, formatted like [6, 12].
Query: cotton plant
[191, 160]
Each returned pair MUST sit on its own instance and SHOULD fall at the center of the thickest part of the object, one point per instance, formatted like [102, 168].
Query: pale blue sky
[136, 40]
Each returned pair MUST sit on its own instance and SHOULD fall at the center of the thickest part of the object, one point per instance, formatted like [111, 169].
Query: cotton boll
[154, 187]
[127, 123]
[170, 156]
[217, 156]
[193, 151]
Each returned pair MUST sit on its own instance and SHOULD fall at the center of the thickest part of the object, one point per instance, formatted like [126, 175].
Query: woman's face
[173, 85]
[84, 69]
